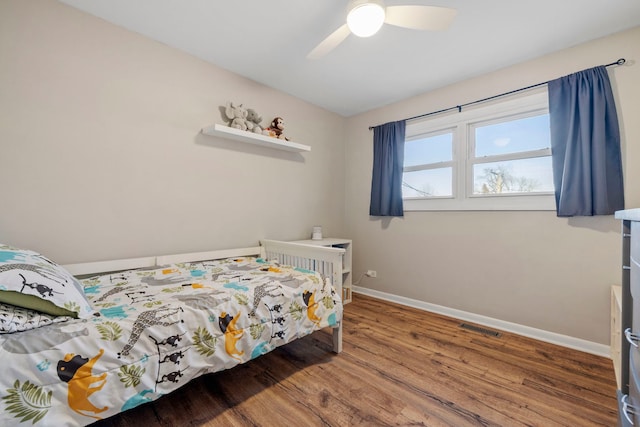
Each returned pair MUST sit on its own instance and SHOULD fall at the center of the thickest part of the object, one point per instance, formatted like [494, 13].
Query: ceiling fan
[365, 17]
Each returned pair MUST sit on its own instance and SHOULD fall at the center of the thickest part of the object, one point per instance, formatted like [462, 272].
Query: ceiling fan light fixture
[365, 19]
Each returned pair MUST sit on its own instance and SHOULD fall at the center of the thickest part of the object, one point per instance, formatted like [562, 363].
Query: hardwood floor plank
[399, 366]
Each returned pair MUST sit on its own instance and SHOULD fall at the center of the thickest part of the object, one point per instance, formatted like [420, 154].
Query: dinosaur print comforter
[153, 331]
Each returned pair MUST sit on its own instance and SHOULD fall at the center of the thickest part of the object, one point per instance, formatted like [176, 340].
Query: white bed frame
[326, 261]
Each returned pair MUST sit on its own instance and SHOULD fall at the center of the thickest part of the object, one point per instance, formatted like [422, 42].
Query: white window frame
[437, 165]
[462, 124]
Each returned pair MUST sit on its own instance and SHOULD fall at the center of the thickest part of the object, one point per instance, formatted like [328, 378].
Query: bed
[113, 335]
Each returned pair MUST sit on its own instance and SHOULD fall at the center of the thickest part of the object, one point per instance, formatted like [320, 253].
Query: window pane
[427, 183]
[514, 136]
[432, 149]
[514, 176]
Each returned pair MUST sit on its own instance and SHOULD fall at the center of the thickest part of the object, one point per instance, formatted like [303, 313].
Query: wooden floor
[400, 366]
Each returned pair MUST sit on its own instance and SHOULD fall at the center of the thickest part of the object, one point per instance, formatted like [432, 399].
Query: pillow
[31, 281]
[18, 319]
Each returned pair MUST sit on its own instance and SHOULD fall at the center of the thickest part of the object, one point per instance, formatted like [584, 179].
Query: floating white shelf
[254, 138]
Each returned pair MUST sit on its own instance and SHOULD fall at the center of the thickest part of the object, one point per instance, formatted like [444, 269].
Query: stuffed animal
[236, 116]
[253, 121]
[276, 129]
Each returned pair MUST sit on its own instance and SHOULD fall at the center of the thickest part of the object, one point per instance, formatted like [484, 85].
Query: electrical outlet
[372, 273]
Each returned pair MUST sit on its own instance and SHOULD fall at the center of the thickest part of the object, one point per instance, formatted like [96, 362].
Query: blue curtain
[388, 161]
[585, 145]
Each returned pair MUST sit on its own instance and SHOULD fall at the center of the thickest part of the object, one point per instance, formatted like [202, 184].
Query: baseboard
[539, 334]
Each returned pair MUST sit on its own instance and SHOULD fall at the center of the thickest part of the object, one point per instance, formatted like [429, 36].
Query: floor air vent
[480, 330]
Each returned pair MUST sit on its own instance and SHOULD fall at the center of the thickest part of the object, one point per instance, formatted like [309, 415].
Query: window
[493, 157]
[428, 165]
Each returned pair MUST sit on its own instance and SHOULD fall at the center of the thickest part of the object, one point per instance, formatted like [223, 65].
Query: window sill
[543, 202]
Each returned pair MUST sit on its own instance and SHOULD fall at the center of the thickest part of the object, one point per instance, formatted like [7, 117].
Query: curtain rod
[620, 61]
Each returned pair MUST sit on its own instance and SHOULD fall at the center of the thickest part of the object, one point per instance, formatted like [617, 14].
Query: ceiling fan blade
[328, 44]
[432, 18]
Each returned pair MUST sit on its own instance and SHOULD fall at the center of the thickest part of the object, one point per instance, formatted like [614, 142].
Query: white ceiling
[268, 41]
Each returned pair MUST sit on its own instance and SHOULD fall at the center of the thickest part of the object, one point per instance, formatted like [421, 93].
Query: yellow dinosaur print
[227, 325]
[75, 370]
[309, 300]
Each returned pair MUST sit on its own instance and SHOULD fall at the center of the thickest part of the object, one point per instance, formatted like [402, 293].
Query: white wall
[529, 268]
[101, 155]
